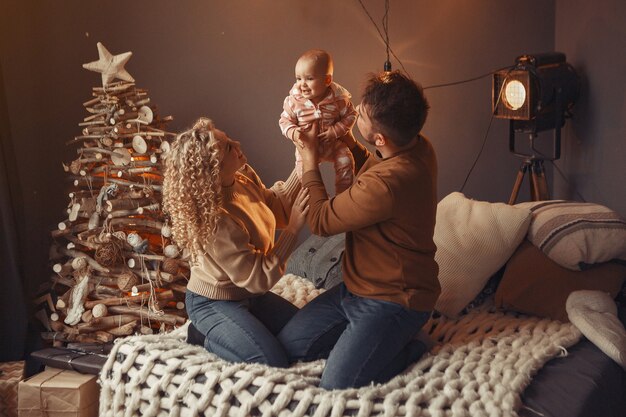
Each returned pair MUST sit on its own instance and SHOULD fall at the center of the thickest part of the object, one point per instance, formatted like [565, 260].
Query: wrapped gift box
[59, 393]
[11, 373]
[81, 361]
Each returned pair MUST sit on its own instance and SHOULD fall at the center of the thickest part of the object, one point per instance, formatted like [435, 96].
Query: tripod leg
[539, 186]
[518, 183]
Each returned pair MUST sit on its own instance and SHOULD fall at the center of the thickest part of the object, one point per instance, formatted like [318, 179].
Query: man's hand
[348, 139]
[308, 146]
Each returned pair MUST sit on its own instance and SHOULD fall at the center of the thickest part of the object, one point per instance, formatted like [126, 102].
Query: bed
[498, 349]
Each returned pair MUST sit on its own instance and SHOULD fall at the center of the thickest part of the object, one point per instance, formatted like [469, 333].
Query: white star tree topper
[110, 66]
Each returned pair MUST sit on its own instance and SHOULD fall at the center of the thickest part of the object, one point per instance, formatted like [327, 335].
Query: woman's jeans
[365, 340]
[242, 331]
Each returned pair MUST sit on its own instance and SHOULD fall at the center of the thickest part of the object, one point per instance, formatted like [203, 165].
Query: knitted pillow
[535, 284]
[474, 239]
[575, 234]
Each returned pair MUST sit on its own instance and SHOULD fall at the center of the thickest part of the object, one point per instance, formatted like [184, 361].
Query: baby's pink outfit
[335, 113]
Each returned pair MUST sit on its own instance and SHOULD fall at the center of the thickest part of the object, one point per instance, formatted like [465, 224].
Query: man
[366, 326]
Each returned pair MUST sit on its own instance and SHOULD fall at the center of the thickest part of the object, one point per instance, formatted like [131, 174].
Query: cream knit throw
[480, 366]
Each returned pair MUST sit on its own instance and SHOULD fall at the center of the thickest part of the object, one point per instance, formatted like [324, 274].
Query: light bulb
[514, 95]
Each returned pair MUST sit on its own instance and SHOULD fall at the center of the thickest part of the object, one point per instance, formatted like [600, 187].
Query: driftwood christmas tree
[116, 270]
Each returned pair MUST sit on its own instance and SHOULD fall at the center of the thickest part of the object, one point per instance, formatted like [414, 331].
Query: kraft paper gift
[59, 393]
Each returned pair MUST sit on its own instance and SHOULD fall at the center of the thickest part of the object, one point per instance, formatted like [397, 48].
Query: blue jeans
[242, 331]
[365, 340]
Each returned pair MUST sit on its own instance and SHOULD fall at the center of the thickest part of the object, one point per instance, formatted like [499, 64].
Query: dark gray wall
[593, 35]
[233, 61]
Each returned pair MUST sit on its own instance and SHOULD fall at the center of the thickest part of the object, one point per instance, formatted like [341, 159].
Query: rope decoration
[480, 366]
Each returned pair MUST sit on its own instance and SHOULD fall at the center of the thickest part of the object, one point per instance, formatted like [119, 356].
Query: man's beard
[370, 139]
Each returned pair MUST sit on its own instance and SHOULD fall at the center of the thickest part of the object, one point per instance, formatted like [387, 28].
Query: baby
[315, 98]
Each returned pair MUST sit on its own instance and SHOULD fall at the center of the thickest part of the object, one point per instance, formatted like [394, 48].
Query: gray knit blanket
[480, 365]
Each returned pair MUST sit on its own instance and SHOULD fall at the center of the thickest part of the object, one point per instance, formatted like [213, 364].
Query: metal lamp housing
[550, 88]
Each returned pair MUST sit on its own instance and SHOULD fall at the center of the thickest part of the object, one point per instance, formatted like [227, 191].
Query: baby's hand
[325, 136]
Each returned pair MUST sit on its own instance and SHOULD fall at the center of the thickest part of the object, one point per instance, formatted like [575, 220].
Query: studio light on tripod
[536, 94]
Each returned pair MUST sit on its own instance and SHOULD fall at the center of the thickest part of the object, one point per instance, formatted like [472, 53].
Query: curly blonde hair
[192, 189]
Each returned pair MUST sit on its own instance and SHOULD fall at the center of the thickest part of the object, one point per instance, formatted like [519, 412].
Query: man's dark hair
[396, 106]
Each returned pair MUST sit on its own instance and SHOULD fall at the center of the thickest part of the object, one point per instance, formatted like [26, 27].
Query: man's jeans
[242, 331]
[365, 340]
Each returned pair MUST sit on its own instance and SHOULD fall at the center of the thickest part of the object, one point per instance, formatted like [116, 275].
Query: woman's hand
[299, 211]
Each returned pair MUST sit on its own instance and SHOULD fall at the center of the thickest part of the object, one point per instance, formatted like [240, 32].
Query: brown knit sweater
[388, 215]
[244, 260]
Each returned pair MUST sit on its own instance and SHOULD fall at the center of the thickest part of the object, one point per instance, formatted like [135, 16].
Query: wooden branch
[63, 281]
[99, 311]
[55, 336]
[103, 291]
[125, 330]
[126, 203]
[87, 316]
[115, 87]
[91, 102]
[141, 288]
[156, 275]
[63, 269]
[145, 313]
[78, 180]
[92, 262]
[178, 288]
[119, 156]
[58, 326]
[105, 323]
[141, 298]
[142, 223]
[97, 337]
[137, 211]
[99, 115]
[121, 170]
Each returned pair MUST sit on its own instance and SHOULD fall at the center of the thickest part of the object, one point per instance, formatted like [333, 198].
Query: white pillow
[474, 240]
[575, 234]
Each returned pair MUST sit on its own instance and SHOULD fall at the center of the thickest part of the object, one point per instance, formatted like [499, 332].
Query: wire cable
[386, 29]
[482, 147]
[384, 38]
[569, 184]
[510, 67]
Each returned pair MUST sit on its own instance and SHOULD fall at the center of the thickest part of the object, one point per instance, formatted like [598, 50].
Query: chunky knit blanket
[480, 365]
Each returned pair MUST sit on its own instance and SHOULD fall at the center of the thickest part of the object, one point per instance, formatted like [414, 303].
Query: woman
[225, 217]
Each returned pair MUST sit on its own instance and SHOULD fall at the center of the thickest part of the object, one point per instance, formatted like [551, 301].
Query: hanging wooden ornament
[75, 167]
[145, 115]
[139, 144]
[170, 266]
[171, 251]
[126, 280]
[164, 149]
[166, 230]
[121, 156]
[79, 263]
[108, 254]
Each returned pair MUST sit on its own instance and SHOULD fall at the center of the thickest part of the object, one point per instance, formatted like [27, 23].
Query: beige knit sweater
[244, 259]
